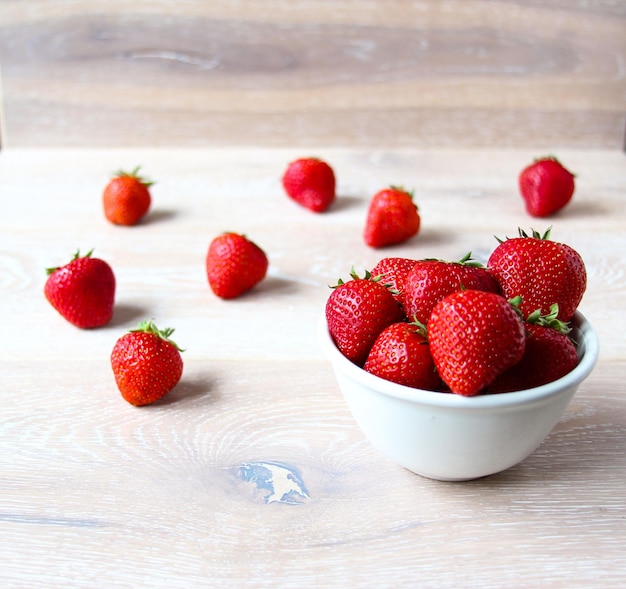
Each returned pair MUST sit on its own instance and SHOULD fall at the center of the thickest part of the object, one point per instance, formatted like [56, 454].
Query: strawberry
[401, 354]
[474, 336]
[356, 312]
[311, 183]
[146, 364]
[549, 354]
[392, 218]
[431, 280]
[126, 198]
[546, 186]
[234, 265]
[393, 273]
[82, 291]
[543, 272]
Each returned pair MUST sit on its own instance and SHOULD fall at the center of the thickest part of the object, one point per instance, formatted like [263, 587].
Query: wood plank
[352, 72]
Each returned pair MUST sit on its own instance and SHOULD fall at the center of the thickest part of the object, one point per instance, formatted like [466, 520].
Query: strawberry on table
[146, 364]
[311, 183]
[474, 337]
[357, 311]
[541, 271]
[431, 280]
[126, 198]
[546, 186]
[401, 354]
[82, 291]
[392, 218]
[234, 265]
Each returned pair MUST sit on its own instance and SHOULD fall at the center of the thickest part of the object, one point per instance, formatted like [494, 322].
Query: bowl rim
[588, 353]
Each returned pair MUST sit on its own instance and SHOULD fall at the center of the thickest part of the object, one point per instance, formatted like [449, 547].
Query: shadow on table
[124, 314]
[275, 285]
[345, 202]
[158, 216]
[567, 456]
[194, 389]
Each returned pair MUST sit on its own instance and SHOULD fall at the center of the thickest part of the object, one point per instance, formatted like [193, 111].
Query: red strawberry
[234, 265]
[393, 273]
[546, 186]
[146, 364]
[401, 354]
[431, 280]
[126, 198]
[541, 271]
[474, 336]
[549, 354]
[82, 291]
[392, 218]
[356, 312]
[311, 183]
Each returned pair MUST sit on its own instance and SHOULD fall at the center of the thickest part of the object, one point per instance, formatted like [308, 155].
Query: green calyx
[466, 260]
[355, 276]
[543, 158]
[76, 256]
[549, 320]
[515, 302]
[134, 173]
[149, 327]
[402, 189]
[470, 262]
[367, 276]
[534, 234]
[419, 327]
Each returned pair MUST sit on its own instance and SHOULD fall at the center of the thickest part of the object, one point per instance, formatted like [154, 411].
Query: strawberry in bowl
[473, 386]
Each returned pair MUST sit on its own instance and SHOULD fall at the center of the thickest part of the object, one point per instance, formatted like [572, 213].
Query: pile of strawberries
[460, 326]
[428, 324]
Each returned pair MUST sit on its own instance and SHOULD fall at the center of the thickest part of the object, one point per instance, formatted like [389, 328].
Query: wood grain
[94, 492]
[344, 73]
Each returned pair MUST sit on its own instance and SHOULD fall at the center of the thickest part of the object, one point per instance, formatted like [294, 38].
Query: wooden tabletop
[355, 73]
[252, 472]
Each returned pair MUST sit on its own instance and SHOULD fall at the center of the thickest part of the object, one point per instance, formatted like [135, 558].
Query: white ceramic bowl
[450, 437]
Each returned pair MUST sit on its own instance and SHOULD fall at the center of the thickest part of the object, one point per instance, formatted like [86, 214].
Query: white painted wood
[96, 493]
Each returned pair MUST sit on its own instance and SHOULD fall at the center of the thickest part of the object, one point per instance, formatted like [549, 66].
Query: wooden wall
[313, 72]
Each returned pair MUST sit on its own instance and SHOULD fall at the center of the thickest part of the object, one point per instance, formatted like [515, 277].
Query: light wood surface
[398, 73]
[97, 493]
